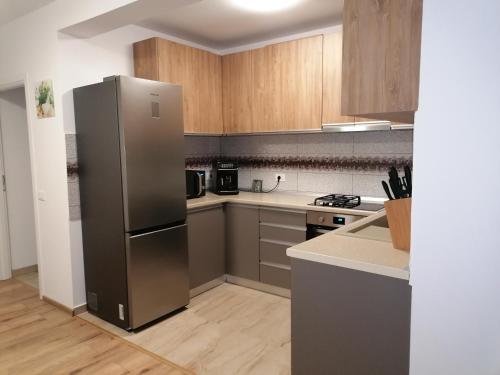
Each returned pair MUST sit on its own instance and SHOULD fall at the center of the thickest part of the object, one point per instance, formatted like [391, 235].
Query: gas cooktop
[346, 201]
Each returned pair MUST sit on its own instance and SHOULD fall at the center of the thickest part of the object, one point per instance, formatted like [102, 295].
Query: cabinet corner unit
[199, 73]
[381, 59]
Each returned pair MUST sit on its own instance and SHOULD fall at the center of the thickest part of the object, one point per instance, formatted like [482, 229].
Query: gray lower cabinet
[279, 229]
[348, 322]
[206, 241]
[242, 241]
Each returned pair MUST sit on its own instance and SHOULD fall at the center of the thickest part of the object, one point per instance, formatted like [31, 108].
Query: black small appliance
[226, 178]
[195, 184]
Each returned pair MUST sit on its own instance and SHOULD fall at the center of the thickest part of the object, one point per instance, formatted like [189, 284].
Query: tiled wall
[205, 149]
[349, 163]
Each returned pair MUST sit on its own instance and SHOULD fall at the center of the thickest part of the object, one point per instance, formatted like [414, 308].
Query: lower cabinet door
[242, 241]
[157, 274]
[207, 258]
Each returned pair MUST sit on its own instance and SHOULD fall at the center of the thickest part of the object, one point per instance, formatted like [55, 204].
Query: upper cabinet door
[277, 88]
[288, 91]
[381, 59]
[237, 86]
[332, 79]
[197, 71]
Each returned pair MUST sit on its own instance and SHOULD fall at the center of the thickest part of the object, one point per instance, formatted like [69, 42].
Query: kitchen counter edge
[346, 251]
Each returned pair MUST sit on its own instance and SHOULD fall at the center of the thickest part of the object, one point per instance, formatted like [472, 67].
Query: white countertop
[340, 249]
[293, 201]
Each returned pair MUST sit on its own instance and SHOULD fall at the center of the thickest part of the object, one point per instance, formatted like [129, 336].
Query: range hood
[364, 126]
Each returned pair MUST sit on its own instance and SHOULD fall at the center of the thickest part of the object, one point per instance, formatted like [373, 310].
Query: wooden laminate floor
[229, 330]
[38, 338]
[30, 278]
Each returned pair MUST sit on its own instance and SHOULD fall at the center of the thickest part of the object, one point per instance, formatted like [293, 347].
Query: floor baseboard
[73, 311]
[80, 309]
[25, 270]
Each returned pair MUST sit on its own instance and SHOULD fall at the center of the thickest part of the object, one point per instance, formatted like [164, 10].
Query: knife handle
[387, 190]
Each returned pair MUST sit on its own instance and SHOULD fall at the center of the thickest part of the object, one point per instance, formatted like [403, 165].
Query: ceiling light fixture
[265, 5]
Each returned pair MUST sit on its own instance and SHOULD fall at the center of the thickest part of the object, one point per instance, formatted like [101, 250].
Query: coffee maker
[226, 178]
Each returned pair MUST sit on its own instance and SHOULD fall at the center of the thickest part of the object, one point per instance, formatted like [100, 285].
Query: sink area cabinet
[348, 322]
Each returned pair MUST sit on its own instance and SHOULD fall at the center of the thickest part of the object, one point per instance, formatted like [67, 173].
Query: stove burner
[338, 200]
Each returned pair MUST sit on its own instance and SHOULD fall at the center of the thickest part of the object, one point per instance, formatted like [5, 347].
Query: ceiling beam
[125, 15]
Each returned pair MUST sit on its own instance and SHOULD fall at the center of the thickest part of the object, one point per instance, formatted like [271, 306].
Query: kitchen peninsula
[351, 300]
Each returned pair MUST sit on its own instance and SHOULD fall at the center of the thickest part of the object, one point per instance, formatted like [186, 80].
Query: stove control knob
[321, 219]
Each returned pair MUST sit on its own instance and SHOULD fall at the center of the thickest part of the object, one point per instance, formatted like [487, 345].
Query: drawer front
[286, 234]
[283, 217]
[274, 253]
[275, 276]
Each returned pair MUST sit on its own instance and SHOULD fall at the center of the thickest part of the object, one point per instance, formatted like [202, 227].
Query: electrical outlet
[282, 175]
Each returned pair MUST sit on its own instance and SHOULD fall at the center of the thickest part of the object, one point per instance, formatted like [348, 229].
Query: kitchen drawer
[276, 276]
[273, 252]
[294, 218]
[282, 233]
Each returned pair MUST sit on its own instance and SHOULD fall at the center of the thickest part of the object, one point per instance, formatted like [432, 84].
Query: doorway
[17, 211]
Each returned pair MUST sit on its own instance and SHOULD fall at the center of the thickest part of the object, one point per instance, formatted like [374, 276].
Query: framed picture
[44, 96]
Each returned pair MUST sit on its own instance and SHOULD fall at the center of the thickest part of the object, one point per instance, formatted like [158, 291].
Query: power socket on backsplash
[282, 175]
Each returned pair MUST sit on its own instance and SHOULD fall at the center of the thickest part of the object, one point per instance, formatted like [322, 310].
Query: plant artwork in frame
[44, 96]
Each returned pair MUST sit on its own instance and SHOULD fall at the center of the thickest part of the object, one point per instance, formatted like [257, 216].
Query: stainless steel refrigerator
[130, 141]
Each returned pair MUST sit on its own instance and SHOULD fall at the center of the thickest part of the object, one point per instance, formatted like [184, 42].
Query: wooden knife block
[399, 219]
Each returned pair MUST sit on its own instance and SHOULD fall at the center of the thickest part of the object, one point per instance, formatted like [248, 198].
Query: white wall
[455, 255]
[14, 127]
[29, 50]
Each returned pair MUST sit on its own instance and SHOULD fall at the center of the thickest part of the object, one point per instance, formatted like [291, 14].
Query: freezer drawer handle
[157, 231]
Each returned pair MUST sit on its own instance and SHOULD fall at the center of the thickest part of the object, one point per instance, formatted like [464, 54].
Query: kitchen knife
[408, 180]
[405, 184]
[387, 190]
[395, 183]
[395, 188]
[393, 173]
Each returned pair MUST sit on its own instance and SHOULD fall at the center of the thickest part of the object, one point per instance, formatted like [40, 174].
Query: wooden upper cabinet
[381, 58]
[332, 79]
[237, 86]
[199, 72]
[276, 88]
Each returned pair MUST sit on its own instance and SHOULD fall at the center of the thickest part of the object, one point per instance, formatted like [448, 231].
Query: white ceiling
[12, 9]
[220, 24]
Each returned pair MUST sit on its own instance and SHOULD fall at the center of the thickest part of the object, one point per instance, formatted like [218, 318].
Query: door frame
[5, 256]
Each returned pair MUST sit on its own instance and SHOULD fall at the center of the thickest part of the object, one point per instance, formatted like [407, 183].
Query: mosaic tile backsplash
[349, 163]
